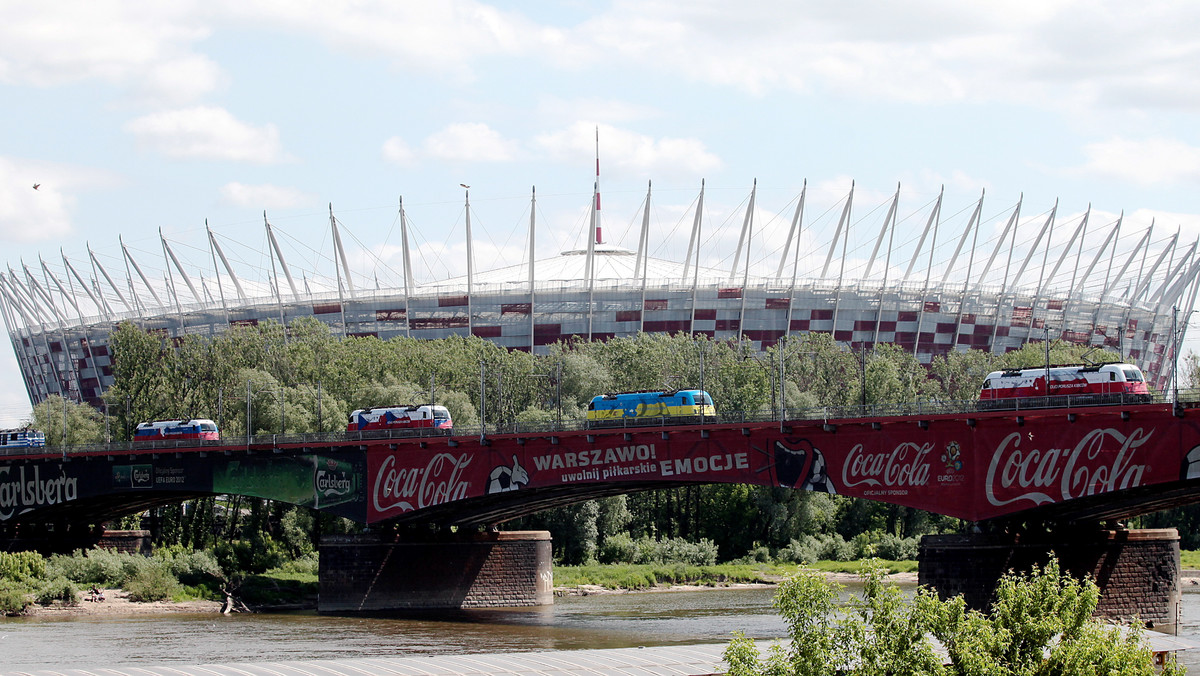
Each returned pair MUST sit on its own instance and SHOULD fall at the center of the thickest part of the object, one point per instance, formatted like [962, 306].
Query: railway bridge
[1032, 481]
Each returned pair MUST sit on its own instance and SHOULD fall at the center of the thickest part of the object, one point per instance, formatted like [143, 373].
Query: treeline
[266, 379]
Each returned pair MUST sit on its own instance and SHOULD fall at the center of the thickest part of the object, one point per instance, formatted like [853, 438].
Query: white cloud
[44, 214]
[1056, 53]
[1154, 161]
[207, 133]
[180, 80]
[628, 151]
[129, 44]
[265, 196]
[440, 37]
[396, 151]
[470, 142]
[568, 110]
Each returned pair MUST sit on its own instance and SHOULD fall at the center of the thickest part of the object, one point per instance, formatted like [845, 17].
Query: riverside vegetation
[1040, 625]
[170, 574]
[305, 380]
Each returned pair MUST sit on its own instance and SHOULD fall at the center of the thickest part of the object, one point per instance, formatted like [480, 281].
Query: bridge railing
[820, 413]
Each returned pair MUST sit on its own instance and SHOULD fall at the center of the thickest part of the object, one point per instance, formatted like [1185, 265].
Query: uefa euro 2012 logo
[952, 457]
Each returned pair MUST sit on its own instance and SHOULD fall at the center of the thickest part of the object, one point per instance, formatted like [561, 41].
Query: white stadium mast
[60, 321]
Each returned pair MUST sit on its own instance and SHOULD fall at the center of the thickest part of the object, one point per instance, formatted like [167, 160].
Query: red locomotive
[1084, 384]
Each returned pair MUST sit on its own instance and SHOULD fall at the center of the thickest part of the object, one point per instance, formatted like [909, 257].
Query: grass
[645, 576]
[201, 592]
[854, 566]
[1190, 560]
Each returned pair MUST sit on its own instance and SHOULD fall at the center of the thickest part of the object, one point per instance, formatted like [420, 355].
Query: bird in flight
[36, 186]
[464, 185]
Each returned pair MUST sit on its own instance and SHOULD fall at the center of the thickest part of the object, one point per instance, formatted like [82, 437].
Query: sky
[138, 118]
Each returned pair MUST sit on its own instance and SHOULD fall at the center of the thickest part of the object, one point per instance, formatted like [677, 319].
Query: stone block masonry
[1137, 571]
[127, 541]
[503, 569]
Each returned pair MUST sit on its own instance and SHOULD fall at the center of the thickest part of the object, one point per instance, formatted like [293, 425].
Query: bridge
[1061, 467]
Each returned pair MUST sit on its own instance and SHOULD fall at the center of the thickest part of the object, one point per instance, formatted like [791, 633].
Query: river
[598, 621]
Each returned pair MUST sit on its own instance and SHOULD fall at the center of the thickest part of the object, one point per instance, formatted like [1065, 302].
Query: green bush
[152, 582]
[253, 556]
[14, 598]
[812, 548]
[190, 567]
[58, 589]
[676, 550]
[307, 565]
[863, 545]
[101, 567]
[831, 547]
[22, 566]
[1041, 623]
[896, 548]
[618, 548]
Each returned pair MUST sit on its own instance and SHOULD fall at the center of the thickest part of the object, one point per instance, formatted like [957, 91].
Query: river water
[598, 621]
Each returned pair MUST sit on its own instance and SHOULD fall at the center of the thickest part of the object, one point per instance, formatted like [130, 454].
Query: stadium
[936, 284]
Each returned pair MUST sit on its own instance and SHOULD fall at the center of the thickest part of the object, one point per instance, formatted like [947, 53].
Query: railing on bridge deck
[820, 413]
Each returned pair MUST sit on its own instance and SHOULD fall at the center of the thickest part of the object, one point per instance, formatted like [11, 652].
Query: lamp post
[482, 402]
[861, 356]
[1046, 329]
[556, 378]
[250, 392]
[317, 394]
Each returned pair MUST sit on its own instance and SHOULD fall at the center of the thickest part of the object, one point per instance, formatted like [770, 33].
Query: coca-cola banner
[977, 471]
[991, 466]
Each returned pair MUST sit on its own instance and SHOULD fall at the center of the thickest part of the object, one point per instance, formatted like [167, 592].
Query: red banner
[974, 471]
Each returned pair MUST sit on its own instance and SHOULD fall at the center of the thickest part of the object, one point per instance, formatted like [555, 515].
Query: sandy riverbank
[117, 602]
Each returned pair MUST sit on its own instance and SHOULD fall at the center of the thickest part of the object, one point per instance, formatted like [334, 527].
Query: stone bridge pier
[374, 573]
[1137, 571]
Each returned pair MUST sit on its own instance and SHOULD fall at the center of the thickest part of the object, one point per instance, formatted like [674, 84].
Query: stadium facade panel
[74, 360]
[606, 292]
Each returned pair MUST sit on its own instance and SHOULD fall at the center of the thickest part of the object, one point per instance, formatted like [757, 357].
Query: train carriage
[403, 416]
[669, 406]
[201, 429]
[1070, 384]
[22, 438]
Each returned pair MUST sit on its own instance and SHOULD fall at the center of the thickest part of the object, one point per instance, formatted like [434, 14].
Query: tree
[1040, 625]
[959, 375]
[1189, 372]
[65, 421]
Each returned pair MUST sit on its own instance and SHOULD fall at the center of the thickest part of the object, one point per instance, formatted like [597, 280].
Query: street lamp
[250, 392]
[556, 378]
[320, 417]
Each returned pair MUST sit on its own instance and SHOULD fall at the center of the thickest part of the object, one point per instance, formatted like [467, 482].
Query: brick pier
[361, 573]
[1137, 570]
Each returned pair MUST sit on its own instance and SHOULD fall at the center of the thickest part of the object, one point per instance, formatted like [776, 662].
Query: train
[1083, 383]
[174, 430]
[403, 416]
[621, 408]
[22, 438]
